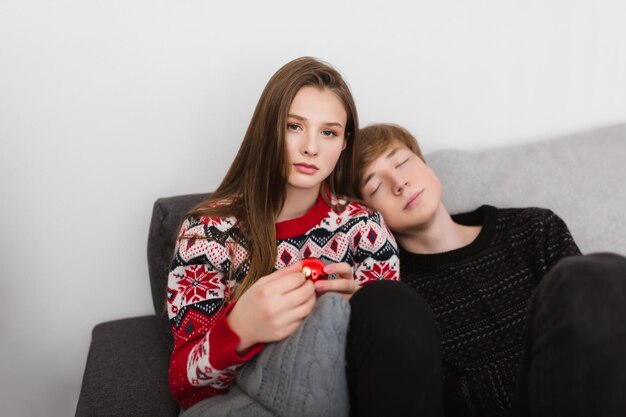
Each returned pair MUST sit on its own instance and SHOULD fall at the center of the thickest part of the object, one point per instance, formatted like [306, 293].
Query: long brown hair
[254, 188]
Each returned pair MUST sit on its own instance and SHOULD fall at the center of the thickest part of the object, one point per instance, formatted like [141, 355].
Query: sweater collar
[300, 225]
[484, 216]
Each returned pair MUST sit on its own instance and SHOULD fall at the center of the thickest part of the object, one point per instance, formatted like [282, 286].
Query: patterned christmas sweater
[480, 297]
[205, 271]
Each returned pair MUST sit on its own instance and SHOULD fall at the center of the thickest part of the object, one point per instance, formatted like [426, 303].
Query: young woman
[236, 279]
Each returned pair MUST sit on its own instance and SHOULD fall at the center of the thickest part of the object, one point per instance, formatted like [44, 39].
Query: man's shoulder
[520, 216]
[520, 224]
[499, 218]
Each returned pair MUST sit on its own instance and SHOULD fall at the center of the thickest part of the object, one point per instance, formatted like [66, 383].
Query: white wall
[107, 105]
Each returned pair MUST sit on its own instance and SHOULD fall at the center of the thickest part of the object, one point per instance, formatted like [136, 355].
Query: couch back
[580, 177]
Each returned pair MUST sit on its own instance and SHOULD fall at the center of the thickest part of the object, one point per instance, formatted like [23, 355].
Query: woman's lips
[306, 168]
[413, 199]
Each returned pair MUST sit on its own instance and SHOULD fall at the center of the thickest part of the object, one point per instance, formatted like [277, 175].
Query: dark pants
[574, 363]
[575, 359]
[393, 355]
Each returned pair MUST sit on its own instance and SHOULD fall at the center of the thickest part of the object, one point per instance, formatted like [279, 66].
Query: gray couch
[579, 176]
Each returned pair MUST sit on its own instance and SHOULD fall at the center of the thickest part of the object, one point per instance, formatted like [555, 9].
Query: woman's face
[314, 138]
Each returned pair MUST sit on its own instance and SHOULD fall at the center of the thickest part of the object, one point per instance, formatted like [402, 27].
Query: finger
[288, 306]
[286, 283]
[298, 296]
[278, 274]
[346, 286]
[341, 270]
[300, 312]
[280, 296]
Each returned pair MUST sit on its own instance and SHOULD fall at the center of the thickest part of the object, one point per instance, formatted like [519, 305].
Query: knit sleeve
[557, 240]
[374, 249]
[204, 361]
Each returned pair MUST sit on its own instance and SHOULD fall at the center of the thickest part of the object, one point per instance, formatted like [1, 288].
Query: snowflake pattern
[199, 284]
[378, 271]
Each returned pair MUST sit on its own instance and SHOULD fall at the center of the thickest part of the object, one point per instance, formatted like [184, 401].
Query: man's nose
[399, 183]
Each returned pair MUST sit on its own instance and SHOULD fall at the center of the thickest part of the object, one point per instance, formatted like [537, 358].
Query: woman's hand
[273, 307]
[343, 284]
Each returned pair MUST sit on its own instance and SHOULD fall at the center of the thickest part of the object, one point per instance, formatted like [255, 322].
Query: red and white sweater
[206, 271]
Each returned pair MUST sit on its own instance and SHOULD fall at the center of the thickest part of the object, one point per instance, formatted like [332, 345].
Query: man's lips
[306, 168]
[413, 199]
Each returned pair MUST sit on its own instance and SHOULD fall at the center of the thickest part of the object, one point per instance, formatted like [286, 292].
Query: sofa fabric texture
[126, 372]
[580, 177]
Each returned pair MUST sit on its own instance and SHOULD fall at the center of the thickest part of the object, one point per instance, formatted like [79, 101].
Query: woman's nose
[310, 147]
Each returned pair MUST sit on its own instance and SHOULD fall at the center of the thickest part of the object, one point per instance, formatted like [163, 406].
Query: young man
[523, 323]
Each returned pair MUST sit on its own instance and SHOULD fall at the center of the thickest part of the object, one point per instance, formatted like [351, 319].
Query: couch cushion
[580, 177]
[164, 226]
[126, 372]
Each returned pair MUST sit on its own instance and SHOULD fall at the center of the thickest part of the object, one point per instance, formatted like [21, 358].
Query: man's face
[402, 188]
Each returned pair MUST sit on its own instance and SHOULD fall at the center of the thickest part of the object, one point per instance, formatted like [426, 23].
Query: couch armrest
[126, 371]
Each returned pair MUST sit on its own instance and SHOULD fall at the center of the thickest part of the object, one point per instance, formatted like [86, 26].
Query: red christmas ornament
[313, 269]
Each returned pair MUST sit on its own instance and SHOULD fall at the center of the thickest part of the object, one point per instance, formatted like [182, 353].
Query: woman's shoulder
[355, 209]
[341, 203]
[359, 209]
[206, 225]
[355, 215]
[206, 239]
[366, 228]
[219, 222]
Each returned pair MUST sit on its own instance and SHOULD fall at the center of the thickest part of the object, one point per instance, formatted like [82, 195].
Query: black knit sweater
[480, 297]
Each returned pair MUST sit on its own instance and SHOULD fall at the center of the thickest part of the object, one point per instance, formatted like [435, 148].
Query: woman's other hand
[344, 282]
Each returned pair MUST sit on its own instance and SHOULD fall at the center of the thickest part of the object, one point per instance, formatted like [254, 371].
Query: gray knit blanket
[303, 375]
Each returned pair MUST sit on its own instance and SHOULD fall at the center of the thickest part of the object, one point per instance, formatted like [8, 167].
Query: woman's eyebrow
[295, 116]
[334, 124]
[304, 119]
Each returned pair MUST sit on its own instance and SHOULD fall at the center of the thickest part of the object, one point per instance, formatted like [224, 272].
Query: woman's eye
[293, 126]
[328, 133]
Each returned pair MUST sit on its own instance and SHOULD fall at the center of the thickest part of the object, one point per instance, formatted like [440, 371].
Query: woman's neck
[439, 235]
[297, 202]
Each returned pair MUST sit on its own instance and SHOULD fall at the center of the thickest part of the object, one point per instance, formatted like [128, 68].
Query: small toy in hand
[313, 269]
